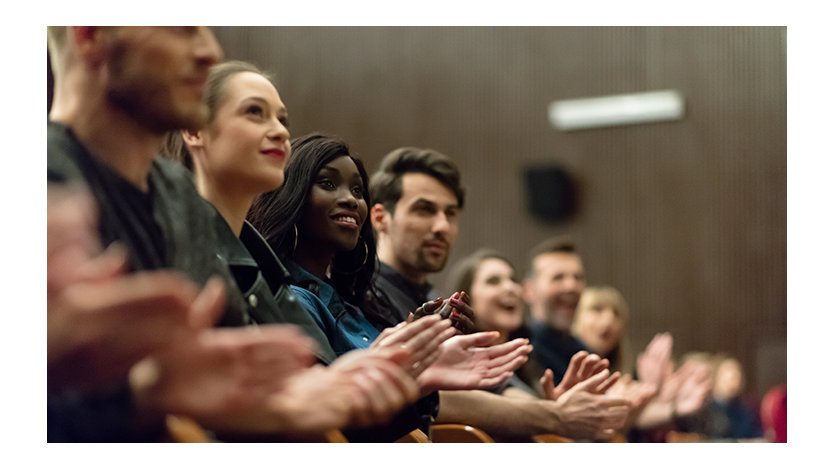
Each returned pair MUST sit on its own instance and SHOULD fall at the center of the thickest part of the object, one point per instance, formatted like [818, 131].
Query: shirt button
[365, 338]
[253, 300]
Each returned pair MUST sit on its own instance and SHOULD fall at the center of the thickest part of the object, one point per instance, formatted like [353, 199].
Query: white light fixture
[616, 110]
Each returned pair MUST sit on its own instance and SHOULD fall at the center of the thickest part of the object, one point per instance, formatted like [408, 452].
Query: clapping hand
[456, 308]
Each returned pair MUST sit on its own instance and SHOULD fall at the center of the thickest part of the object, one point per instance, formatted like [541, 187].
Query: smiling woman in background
[497, 301]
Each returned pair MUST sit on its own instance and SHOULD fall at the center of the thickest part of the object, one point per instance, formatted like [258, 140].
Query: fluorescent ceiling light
[616, 110]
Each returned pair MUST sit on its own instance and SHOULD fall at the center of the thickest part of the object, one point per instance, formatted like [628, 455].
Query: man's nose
[441, 224]
[208, 50]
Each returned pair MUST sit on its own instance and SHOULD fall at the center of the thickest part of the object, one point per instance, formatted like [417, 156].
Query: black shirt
[398, 296]
[553, 348]
[170, 226]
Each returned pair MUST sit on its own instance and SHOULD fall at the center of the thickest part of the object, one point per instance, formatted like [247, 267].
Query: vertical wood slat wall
[687, 219]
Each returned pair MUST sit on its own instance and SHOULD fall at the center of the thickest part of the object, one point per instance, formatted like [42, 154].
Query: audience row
[269, 288]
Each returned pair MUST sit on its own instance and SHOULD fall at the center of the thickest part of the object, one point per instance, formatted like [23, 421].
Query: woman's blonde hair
[620, 357]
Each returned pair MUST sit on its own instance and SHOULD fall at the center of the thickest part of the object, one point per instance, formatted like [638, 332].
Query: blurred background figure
[734, 416]
[774, 413]
[600, 324]
[727, 415]
[493, 285]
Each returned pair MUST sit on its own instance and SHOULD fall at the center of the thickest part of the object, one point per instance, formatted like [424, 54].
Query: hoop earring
[365, 259]
[295, 240]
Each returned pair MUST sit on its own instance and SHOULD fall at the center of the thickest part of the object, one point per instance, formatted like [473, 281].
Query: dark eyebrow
[424, 201]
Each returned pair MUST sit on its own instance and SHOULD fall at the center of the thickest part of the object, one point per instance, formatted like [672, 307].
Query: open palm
[467, 362]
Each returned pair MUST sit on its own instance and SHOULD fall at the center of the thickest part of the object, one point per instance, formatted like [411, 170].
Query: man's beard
[153, 110]
[147, 98]
[428, 266]
[560, 313]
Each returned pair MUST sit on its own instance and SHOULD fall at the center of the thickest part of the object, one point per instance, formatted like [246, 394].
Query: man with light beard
[552, 289]
[416, 196]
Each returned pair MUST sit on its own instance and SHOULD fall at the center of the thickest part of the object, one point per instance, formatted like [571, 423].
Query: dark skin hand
[456, 308]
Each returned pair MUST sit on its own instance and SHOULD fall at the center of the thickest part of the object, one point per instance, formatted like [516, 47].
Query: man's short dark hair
[557, 244]
[386, 185]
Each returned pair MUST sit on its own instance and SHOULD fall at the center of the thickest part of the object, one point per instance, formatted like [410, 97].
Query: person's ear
[91, 42]
[380, 218]
[193, 139]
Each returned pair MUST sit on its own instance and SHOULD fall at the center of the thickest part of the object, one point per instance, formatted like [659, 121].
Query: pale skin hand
[421, 338]
[639, 394]
[220, 376]
[361, 388]
[114, 324]
[654, 365]
[683, 393]
[636, 392]
[382, 386]
[73, 251]
[585, 414]
[244, 381]
[467, 362]
[582, 366]
[693, 389]
[100, 321]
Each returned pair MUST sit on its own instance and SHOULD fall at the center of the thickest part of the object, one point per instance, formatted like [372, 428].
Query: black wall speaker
[551, 193]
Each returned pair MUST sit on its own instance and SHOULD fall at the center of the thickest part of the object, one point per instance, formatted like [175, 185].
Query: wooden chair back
[551, 438]
[185, 430]
[458, 433]
[416, 436]
[334, 436]
[676, 437]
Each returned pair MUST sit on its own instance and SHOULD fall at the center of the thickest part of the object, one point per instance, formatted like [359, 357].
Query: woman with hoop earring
[317, 223]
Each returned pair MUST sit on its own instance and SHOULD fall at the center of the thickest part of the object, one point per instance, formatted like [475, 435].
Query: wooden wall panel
[687, 218]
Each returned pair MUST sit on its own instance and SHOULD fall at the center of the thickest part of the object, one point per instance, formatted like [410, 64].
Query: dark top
[398, 295]
[170, 226]
[102, 416]
[553, 349]
[724, 420]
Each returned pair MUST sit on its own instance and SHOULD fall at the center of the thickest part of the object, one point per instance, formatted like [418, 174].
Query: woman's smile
[347, 219]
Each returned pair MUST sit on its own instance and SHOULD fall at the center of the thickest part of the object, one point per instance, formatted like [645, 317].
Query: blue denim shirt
[344, 324]
[347, 329]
